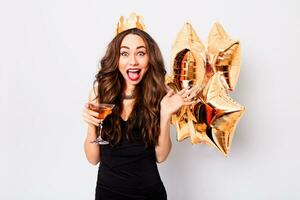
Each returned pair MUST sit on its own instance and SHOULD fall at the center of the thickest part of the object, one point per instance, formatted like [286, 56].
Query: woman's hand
[90, 116]
[172, 101]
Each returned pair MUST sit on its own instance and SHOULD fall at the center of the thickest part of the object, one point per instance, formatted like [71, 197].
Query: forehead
[133, 41]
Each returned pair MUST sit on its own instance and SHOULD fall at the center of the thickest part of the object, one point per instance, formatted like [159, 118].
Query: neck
[129, 90]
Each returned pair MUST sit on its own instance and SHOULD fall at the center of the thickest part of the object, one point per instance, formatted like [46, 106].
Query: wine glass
[104, 110]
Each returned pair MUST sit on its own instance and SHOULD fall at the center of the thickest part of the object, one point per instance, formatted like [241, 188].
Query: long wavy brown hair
[145, 116]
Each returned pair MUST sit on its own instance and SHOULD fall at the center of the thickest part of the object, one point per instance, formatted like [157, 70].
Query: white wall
[49, 52]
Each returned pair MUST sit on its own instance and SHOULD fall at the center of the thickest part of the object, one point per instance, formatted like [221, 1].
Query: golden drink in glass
[104, 110]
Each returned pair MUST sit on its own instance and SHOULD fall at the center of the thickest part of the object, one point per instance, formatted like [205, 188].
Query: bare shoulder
[94, 94]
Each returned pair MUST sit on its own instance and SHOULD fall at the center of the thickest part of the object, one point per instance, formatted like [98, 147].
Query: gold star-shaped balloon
[212, 72]
[219, 115]
[223, 54]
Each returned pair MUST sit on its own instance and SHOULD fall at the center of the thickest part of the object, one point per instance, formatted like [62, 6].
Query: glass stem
[99, 139]
[100, 128]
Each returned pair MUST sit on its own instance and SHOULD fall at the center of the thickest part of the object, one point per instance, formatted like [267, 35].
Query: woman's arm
[164, 146]
[170, 104]
[92, 150]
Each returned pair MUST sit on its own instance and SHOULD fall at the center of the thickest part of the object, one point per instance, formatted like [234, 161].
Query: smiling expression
[133, 62]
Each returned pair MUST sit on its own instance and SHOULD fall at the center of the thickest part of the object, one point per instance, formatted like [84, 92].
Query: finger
[181, 92]
[91, 118]
[94, 121]
[191, 97]
[91, 112]
[187, 103]
[91, 122]
[186, 94]
[190, 90]
[170, 93]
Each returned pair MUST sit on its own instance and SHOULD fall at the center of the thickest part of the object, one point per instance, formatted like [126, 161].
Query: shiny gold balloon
[223, 55]
[187, 59]
[188, 69]
[218, 113]
[212, 73]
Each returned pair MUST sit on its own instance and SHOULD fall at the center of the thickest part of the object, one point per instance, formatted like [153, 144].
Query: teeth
[134, 70]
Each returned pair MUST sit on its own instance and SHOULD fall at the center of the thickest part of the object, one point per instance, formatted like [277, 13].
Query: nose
[133, 60]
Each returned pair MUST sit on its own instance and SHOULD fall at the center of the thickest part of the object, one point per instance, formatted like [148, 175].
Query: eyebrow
[139, 47]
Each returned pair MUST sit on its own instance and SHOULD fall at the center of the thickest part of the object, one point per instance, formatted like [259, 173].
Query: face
[133, 61]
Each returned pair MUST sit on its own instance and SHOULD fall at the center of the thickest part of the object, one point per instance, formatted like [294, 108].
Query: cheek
[145, 63]
[122, 64]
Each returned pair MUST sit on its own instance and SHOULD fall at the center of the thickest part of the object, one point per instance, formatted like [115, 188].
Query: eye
[141, 53]
[124, 53]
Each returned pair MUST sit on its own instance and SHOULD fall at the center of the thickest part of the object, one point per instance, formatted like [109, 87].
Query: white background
[49, 52]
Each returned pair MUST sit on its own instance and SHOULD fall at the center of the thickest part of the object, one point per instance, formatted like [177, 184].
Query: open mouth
[133, 74]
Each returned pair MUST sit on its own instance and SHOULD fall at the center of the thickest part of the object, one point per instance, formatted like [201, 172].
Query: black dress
[128, 171]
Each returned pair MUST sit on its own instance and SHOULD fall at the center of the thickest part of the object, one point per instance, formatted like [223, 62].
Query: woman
[138, 130]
